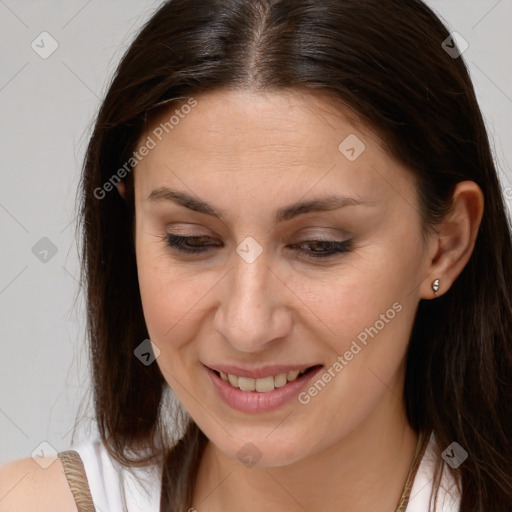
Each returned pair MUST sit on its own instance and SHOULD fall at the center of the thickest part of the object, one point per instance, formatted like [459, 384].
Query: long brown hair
[384, 60]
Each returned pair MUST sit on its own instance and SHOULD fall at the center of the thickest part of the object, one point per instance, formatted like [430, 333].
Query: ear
[121, 189]
[451, 247]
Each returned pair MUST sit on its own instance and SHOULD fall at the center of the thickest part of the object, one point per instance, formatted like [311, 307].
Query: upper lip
[258, 373]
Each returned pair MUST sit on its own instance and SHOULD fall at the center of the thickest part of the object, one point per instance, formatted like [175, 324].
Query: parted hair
[385, 61]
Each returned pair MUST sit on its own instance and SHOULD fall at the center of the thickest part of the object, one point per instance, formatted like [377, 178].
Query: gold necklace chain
[420, 450]
[421, 446]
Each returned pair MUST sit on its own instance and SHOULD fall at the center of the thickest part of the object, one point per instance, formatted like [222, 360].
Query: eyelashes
[195, 245]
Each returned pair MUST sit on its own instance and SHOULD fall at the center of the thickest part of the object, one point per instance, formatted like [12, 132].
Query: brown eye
[188, 244]
[333, 247]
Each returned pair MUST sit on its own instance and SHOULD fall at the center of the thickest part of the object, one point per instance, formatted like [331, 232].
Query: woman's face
[250, 175]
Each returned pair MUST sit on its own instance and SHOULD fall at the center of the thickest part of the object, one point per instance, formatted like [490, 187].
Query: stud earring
[435, 286]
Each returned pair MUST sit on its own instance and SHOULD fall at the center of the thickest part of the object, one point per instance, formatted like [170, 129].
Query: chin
[261, 452]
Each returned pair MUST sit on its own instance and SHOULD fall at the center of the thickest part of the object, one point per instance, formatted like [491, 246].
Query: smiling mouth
[265, 384]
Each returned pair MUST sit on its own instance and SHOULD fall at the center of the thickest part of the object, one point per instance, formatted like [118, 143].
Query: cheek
[367, 308]
[355, 296]
[166, 293]
[367, 338]
[365, 328]
[176, 301]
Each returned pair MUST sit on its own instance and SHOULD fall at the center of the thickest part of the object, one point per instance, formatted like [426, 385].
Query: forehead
[231, 118]
[286, 140]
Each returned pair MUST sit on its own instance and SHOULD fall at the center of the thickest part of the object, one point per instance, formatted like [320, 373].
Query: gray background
[47, 108]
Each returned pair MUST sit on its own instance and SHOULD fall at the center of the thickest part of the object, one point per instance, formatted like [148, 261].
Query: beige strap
[77, 480]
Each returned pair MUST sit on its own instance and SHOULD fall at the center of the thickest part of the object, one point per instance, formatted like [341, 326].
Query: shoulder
[27, 486]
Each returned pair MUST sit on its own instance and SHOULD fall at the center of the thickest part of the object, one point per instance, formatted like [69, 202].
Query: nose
[254, 308]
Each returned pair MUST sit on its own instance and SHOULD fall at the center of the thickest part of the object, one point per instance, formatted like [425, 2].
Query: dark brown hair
[384, 60]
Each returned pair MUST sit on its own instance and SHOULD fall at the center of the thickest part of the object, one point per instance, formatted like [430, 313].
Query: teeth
[293, 375]
[280, 380]
[246, 384]
[261, 385]
[233, 380]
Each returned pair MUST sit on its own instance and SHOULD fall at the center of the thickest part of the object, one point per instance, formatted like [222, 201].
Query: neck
[365, 470]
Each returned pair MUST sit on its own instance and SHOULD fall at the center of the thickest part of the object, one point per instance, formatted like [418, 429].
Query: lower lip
[254, 401]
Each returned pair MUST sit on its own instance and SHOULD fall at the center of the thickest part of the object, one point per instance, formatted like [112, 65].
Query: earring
[435, 286]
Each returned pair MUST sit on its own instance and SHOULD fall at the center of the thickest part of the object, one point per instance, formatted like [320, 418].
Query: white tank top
[114, 488]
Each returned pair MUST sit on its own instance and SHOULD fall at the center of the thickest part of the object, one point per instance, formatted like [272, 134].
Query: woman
[293, 221]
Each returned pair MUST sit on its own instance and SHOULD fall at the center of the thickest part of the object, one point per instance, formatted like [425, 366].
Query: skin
[248, 154]
[29, 486]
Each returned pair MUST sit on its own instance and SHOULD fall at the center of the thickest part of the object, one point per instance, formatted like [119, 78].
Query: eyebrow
[321, 204]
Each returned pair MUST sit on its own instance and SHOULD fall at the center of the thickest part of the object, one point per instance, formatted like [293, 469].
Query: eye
[188, 244]
[334, 247]
[198, 244]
